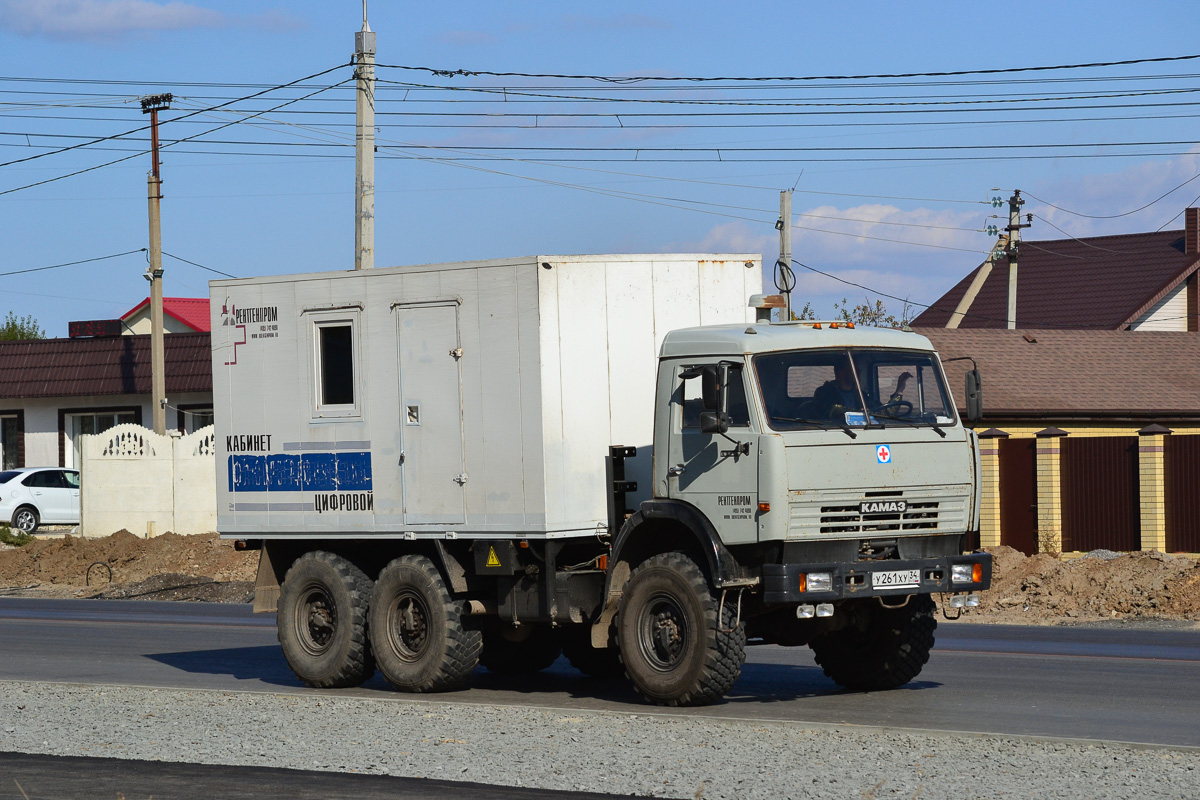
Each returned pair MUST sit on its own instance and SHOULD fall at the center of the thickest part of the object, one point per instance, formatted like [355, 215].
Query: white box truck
[604, 456]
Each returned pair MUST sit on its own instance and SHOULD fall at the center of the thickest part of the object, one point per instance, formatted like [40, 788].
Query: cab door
[717, 474]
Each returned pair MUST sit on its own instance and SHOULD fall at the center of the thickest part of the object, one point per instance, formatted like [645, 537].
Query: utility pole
[1014, 241]
[364, 148]
[785, 247]
[158, 381]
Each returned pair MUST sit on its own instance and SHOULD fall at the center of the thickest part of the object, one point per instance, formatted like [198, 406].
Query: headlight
[820, 581]
[962, 573]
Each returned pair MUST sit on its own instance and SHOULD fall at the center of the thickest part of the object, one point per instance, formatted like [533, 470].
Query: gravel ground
[619, 753]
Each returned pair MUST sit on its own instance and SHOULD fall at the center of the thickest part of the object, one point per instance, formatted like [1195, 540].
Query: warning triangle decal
[492, 561]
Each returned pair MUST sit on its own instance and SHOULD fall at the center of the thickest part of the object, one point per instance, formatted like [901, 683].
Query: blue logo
[884, 453]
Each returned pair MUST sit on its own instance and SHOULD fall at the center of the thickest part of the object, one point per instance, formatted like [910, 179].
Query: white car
[39, 496]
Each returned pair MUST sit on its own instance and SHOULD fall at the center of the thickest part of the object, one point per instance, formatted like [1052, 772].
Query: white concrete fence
[132, 478]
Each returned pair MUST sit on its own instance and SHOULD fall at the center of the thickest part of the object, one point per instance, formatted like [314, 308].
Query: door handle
[675, 471]
[401, 457]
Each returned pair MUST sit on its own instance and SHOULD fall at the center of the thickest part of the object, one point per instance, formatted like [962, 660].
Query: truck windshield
[852, 388]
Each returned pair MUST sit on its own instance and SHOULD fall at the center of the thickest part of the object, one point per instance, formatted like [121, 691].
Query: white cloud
[113, 19]
[918, 259]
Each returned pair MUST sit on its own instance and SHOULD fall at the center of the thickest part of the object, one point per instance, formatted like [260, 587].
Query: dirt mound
[1037, 590]
[75, 567]
[173, 586]
[1042, 589]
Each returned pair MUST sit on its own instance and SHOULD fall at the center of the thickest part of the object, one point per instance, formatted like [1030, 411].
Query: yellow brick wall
[1049, 496]
[1152, 489]
[1151, 479]
[989, 508]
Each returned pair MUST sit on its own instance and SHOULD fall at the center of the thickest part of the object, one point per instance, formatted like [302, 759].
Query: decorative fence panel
[134, 479]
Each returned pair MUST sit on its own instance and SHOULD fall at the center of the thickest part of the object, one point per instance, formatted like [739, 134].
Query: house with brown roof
[1138, 281]
[52, 391]
[1089, 437]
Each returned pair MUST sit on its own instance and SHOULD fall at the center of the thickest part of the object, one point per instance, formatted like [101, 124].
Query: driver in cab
[834, 398]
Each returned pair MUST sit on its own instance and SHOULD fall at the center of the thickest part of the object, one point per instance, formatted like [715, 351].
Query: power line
[175, 142]
[185, 116]
[72, 263]
[1122, 214]
[450, 73]
[201, 266]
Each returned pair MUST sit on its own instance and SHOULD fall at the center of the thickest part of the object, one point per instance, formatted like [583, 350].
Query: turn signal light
[803, 582]
[602, 561]
[764, 508]
[977, 573]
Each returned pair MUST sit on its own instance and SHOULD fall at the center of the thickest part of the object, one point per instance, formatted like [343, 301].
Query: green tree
[14, 328]
[875, 314]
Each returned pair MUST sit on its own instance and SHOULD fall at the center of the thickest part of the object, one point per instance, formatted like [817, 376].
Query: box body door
[430, 414]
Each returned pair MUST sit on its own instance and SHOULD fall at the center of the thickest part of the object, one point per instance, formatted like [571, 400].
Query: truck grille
[846, 519]
[835, 513]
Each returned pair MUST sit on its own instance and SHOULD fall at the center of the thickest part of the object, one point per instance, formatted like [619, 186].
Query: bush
[17, 539]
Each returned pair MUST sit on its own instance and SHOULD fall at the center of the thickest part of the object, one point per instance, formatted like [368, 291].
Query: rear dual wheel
[322, 621]
[416, 629]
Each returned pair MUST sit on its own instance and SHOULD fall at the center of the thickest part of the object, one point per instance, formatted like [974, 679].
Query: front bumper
[781, 582]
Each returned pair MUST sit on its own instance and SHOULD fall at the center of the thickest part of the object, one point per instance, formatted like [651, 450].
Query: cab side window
[693, 402]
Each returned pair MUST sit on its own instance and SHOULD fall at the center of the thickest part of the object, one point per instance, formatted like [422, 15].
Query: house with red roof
[52, 391]
[180, 315]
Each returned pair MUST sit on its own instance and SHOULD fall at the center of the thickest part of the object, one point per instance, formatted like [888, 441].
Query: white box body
[485, 394]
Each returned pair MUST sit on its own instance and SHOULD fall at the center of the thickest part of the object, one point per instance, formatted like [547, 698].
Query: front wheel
[322, 621]
[677, 641]
[881, 648]
[416, 629]
[26, 519]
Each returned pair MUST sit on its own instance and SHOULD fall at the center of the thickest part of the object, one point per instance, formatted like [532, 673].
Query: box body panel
[480, 398]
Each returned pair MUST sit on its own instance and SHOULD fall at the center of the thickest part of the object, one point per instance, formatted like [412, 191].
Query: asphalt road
[28, 777]
[1111, 683]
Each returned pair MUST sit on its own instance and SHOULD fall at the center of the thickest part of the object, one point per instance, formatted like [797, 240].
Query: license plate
[901, 578]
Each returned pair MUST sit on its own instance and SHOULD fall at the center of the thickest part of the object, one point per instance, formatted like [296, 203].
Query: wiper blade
[905, 420]
[911, 422]
[815, 423]
[823, 425]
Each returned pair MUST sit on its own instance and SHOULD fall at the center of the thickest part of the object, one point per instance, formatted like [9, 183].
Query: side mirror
[710, 388]
[974, 397]
[714, 391]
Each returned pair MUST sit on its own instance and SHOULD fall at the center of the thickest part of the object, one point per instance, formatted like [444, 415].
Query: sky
[893, 177]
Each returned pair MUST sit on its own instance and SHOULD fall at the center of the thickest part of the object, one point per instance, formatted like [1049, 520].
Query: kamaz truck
[619, 459]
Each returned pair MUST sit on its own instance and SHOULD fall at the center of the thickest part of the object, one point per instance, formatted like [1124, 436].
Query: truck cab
[830, 485]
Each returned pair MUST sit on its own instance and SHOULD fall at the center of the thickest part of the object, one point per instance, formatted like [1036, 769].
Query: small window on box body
[337, 365]
[336, 375]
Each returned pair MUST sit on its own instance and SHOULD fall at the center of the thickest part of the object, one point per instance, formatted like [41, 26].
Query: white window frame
[71, 452]
[336, 318]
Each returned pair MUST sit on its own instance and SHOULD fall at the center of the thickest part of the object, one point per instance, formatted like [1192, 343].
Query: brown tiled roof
[1101, 282]
[102, 366]
[1063, 373]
